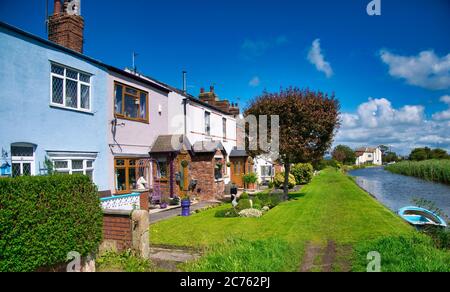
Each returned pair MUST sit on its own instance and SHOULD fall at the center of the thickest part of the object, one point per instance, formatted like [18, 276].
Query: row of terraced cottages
[123, 129]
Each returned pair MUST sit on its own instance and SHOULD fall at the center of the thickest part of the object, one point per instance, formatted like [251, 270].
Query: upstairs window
[207, 123]
[70, 88]
[130, 103]
[224, 128]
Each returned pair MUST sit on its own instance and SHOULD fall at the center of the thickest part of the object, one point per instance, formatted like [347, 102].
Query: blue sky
[391, 73]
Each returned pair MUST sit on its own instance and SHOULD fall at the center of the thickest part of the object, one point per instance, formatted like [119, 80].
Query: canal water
[398, 191]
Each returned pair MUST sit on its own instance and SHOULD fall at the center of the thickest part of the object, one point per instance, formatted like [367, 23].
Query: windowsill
[219, 180]
[56, 106]
[131, 119]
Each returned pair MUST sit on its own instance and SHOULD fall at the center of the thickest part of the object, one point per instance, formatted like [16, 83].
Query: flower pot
[185, 208]
[251, 186]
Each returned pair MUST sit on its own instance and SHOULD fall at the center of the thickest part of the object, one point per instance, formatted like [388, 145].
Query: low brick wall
[126, 230]
[117, 230]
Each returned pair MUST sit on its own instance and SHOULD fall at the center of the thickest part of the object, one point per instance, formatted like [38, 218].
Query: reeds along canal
[397, 191]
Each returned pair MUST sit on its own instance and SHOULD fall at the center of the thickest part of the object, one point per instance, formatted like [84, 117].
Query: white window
[22, 159]
[266, 170]
[70, 88]
[74, 166]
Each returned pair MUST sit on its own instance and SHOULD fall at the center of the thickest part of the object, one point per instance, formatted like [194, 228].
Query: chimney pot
[57, 7]
[211, 89]
[202, 90]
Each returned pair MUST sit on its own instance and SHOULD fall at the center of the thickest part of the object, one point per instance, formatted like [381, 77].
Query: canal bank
[397, 191]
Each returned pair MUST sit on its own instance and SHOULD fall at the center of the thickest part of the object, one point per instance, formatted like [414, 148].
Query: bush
[303, 173]
[250, 178]
[251, 213]
[44, 218]
[279, 180]
[243, 204]
[244, 196]
[269, 200]
[324, 163]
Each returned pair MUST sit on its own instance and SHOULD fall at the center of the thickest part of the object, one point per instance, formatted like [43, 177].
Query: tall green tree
[344, 154]
[307, 120]
[419, 154]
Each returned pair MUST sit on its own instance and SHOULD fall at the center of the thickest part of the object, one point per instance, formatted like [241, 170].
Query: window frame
[137, 96]
[224, 128]
[127, 168]
[79, 84]
[21, 160]
[69, 169]
[207, 117]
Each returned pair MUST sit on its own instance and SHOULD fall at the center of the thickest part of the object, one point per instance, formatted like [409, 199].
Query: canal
[398, 191]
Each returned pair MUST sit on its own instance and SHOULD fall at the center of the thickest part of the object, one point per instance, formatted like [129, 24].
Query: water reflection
[397, 191]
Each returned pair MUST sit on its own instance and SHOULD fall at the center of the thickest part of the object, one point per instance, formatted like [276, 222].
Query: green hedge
[43, 218]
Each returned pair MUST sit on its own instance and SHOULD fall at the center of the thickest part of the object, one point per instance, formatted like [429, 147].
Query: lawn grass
[332, 207]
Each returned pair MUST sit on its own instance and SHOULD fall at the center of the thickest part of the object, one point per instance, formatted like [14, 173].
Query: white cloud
[378, 122]
[316, 58]
[445, 99]
[444, 115]
[254, 82]
[426, 70]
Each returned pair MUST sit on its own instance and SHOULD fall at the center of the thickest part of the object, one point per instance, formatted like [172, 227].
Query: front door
[237, 171]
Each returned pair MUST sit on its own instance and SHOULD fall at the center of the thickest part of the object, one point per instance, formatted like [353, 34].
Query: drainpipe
[185, 116]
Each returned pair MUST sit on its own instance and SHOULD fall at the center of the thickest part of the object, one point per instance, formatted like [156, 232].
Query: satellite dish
[73, 7]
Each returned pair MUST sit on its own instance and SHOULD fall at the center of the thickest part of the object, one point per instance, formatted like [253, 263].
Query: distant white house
[368, 155]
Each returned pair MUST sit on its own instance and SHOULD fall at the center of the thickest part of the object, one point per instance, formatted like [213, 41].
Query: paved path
[168, 259]
[176, 212]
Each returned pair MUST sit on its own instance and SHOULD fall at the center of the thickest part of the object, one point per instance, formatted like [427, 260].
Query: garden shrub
[303, 173]
[279, 180]
[251, 213]
[43, 218]
[243, 204]
[269, 200]
[244, 196]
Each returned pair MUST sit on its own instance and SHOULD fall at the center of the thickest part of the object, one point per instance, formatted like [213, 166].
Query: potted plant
[185, 206]
[164, 203]
[250, 180]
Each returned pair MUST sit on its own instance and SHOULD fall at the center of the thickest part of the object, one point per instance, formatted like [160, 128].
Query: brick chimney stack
[66, 25]
[57, 7]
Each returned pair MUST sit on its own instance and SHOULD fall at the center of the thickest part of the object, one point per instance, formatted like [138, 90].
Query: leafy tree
[307, 121]
[438, 154]
[344, 154]
[303, 173]
[390, 157]
[426, 153]
[420, 154]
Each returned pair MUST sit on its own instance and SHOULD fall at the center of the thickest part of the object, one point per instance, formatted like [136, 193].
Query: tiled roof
[208, 146]
[238, 153]
[170, 143]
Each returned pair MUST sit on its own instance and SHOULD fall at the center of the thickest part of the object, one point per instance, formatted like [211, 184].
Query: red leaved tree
[308, 121]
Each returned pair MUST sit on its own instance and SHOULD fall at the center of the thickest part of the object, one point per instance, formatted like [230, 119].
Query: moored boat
[421, 217]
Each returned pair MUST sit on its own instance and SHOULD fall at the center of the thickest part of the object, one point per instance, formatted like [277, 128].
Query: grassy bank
[332, 207]
[432, 170]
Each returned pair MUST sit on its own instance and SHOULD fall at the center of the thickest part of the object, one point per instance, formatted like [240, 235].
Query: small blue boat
[421, 217]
